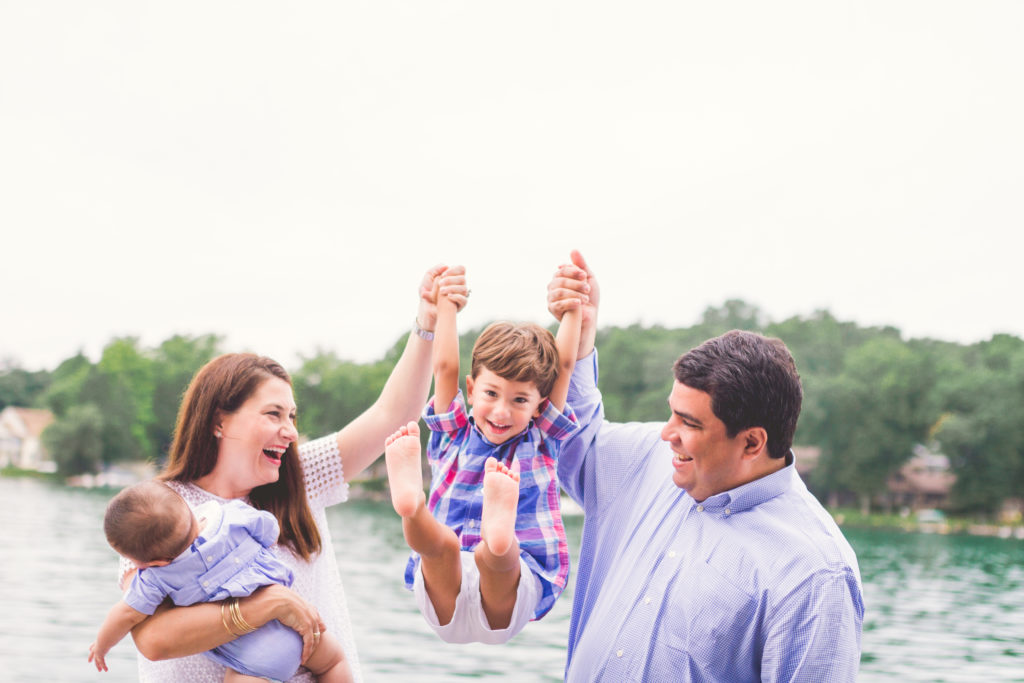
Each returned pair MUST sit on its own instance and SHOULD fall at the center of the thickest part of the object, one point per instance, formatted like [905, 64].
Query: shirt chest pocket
[709, 620]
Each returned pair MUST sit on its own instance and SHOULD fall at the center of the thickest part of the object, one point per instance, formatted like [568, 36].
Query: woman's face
[253, 439]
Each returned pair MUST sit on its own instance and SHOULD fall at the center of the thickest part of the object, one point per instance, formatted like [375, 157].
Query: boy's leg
[437, 545]
[497, 556]
[328, 662]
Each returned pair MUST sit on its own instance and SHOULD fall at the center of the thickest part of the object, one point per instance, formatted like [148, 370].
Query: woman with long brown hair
[236, 439]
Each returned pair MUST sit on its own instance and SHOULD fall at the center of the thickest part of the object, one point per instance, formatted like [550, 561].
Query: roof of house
[34, 419]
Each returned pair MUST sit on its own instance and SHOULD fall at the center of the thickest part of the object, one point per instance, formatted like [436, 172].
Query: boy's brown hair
[518, 352]
[143, 523]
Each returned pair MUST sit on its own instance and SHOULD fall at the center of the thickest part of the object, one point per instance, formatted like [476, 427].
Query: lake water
[939, 608]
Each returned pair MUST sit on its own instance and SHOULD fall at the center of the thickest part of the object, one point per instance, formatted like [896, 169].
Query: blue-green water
[939, 608]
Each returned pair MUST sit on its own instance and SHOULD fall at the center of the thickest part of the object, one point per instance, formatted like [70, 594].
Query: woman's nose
[289, 431]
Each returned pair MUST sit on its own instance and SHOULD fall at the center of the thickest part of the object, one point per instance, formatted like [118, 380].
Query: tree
[175, 362]
[76, 440]
[19, 387]
[875, 411]
[983, 402]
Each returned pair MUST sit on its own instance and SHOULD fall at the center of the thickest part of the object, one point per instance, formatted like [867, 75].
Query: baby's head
[149, 524]
[513, 370]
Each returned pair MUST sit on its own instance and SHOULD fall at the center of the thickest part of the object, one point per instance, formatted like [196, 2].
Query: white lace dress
[318, 581]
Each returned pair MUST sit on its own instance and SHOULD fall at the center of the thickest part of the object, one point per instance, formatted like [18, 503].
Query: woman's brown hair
[219, 388]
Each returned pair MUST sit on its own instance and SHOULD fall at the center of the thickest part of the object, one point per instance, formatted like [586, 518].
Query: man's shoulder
[804, 541]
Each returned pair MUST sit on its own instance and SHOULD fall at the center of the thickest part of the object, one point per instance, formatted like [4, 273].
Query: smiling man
[704, 557]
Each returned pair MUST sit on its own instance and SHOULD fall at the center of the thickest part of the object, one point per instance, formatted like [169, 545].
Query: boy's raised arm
[567, 342]
[445, 354]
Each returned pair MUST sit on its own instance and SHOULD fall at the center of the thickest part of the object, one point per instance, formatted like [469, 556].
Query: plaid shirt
[457, 452]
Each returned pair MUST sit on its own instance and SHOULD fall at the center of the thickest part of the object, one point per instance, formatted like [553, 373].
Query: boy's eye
[520, 399]
[490, 393]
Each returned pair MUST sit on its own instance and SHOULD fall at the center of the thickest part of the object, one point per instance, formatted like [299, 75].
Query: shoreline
[376, 490]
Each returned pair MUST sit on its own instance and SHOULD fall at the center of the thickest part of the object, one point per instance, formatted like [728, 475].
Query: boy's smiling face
[502, 408]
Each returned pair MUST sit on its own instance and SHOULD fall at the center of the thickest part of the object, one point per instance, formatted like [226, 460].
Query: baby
[219, 552]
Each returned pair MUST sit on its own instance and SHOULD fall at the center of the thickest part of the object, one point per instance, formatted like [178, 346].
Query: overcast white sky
[282, 174]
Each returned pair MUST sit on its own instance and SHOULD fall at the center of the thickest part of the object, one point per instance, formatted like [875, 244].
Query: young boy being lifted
[489, 547]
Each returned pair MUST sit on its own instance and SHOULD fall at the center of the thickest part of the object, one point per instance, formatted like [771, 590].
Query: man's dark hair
[753, 382]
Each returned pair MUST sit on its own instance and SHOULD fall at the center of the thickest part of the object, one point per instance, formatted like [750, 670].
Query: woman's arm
[405, 393]
[182, 631]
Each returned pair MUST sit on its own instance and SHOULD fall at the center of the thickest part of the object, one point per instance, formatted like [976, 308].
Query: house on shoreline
[924, 481]
[21, 444]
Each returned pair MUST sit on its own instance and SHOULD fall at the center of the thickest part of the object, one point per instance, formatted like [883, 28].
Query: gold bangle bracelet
[224, 618]
[236, 618]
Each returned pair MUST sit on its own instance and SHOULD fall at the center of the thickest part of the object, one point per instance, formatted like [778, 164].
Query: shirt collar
[756, 492]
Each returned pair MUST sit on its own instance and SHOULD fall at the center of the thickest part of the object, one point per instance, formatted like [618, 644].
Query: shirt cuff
[584, 380]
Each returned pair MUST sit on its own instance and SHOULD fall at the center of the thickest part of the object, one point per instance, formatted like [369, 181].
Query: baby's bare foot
[405, 476]
[501, 498]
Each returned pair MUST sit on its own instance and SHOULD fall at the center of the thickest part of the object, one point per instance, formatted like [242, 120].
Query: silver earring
[217, 434]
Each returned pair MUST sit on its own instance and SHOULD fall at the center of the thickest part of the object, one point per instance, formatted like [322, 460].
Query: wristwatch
[420, 332]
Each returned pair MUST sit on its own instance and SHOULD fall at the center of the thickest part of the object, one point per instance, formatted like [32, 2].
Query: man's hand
[572, 285]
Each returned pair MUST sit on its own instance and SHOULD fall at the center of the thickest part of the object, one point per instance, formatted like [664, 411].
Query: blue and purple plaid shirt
[457, 452]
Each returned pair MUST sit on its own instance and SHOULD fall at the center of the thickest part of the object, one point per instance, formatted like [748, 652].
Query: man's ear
[755, 442]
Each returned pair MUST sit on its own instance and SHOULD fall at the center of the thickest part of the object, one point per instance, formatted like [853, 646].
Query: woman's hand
[295, 613]
[441, 280]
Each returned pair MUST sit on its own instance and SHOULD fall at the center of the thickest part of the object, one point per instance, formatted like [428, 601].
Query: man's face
[707, 461]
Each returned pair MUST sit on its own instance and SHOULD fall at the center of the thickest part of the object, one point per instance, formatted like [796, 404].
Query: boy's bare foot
[501, 498]
[405, 476]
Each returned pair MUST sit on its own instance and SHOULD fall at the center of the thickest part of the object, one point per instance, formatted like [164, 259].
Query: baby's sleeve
[144, 595]
[260, 524]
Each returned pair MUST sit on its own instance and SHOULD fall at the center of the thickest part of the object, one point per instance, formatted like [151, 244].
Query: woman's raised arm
[405, 392]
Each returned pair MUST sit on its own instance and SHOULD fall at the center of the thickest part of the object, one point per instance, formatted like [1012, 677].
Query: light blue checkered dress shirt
[754, 584]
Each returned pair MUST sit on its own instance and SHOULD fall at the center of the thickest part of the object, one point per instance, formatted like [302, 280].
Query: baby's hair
[518, 352]
[143, 523]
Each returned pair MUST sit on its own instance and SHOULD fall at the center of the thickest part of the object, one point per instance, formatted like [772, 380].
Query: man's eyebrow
[686, 416]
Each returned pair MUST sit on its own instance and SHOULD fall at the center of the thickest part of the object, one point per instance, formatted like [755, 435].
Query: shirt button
[238, 561]
[728, 511]
[618, 653]
[209, 558]
[700, 508]
[671, 553]
[647, 600]
[206, 584]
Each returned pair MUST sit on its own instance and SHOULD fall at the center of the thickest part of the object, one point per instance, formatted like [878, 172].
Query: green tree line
[870, 396]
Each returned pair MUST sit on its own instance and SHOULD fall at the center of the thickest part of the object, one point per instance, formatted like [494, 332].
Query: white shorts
[469, 623]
